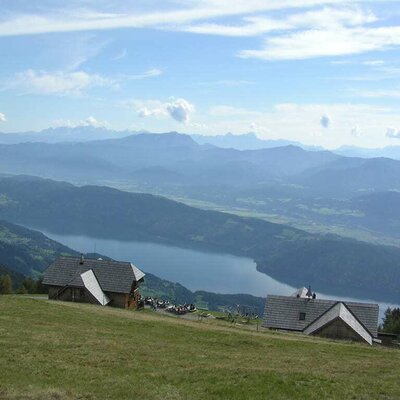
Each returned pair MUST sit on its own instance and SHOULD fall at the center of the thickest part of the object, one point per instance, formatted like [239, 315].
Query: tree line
[391, 321]
[27, 286]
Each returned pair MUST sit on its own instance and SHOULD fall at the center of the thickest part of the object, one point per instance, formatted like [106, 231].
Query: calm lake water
[196, 270]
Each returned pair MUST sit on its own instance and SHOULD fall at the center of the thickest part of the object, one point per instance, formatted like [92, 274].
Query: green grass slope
[77, 351]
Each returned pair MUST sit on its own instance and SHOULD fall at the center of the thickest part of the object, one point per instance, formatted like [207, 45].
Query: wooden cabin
[96, 281]
[303, 312]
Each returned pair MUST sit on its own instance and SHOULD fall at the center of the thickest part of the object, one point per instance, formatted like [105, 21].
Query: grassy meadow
[56, 350]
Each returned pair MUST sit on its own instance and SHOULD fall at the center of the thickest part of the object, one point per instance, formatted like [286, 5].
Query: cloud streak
[308, 28]
[90, 121]
[69, 20]
[68, 83]
[57, 83]
[150, 73]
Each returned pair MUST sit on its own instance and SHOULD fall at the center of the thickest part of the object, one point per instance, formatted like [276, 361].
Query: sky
[323, 72]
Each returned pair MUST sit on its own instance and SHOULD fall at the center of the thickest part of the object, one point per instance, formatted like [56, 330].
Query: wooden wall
[339, 330]
[79, 295]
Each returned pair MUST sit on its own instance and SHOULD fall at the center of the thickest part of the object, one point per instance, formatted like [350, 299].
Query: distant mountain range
[347, 176]
[172, 160]
[64, 134]
[331, 263]
[352, 151]
[315, 190]
[247, 141]
[165, 156]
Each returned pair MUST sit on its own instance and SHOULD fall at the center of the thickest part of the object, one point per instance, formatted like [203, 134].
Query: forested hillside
[26, 253]
[331, 263]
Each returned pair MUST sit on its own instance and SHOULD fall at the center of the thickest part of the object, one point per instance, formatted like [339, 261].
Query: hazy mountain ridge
[353, 151]
[245, 141]
[303, 188]
[63, 134]
[349, 176]
[248, 141]
[138, 157]
[175, 152]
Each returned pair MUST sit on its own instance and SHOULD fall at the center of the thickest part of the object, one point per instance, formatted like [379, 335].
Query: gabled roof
[112, 276]
[339, 311]
[92, 285]
[282, 312]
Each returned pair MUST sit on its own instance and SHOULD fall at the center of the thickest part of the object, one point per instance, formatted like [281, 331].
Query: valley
[334, 265]
[315, 190]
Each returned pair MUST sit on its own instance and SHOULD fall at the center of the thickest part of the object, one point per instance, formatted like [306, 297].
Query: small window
[82, 292]
[302, 316]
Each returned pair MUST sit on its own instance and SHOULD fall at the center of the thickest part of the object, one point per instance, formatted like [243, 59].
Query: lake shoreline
[201, 270]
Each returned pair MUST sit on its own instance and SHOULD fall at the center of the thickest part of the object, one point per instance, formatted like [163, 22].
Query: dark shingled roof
[113, 276]
[282, 312]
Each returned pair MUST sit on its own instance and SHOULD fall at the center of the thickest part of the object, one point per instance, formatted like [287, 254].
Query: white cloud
[393, 93]
[150, 73]
[67, 83]
[3, 117]
[178, 109]
[57, 83]
[254, 127]
[355, 131]
[308, 28]
[393, 133]
[176, 13]
[327, 32]
[374, 63]
[326, 42]
[90, 121]
[317, 19]
[325, 121]
[299, 122]
[152, 112]
[252, 26]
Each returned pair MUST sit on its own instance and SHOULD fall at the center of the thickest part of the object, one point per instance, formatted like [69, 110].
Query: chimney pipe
[82, 259]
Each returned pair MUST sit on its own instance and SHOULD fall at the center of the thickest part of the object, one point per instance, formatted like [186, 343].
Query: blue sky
[321, 72]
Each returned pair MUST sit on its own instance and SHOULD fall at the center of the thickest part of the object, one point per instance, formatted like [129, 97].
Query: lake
[196, 270]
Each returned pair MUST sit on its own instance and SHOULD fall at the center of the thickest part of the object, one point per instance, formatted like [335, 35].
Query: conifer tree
[5, 284]
[391, 321]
